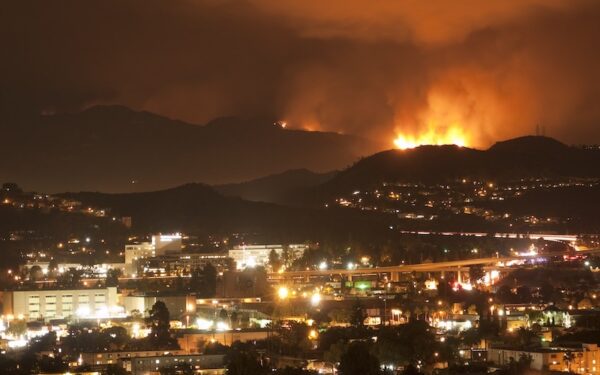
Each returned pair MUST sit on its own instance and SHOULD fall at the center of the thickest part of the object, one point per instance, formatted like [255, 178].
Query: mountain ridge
[276, 188]
[522, 157]
[114, 148]
[198, 208]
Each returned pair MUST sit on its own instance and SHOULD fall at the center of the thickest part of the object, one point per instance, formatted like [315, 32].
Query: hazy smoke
[495, 68]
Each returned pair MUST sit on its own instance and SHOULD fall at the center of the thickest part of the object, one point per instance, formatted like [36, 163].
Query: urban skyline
[293, 187]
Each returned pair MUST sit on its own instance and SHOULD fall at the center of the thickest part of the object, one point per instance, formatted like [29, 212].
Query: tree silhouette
[520, 366]
[209, 281]
[112, 276]
[223, 315]
[335, 352]
[358, 360]
[274, 260]
[357, 317]
[476, 272]
[159, 325]
[35, 273]
[243, 360]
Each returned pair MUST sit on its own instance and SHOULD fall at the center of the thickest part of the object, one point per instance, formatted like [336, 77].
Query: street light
[315, 299]
[283, 292]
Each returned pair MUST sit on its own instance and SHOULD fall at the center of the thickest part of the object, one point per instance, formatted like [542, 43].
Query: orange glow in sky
[452, 135]
[443, 122]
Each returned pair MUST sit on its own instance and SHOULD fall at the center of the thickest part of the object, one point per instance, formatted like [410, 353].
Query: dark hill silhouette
[113, 148]
[524, 157]
[277, 188]
[197, 208]
[530, 145]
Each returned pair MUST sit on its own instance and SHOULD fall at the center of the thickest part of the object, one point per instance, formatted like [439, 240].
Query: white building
[62, 303]
[160, 245]
[135, 252]
[167, 243]
[249, 256]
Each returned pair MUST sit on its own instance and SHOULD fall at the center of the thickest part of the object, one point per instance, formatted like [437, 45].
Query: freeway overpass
[446, 266]
[570, 238]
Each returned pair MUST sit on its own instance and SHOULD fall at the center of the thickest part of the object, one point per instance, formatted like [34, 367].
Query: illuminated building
[166, 243]
[62, 303]
[113, 357]
[135, 252]
[161, 244]
[250, 256]
[202, 364]
[184, 262]
[582, 360]
[150, 361]
[190, 339]
[96, 270]
[458, 324]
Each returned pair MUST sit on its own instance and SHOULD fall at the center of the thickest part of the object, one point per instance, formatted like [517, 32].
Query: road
[449, 266]
[534, 236]
[453, 265]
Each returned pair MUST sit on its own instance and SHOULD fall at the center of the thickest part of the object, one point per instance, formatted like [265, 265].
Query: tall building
[134, 253]
[167, 243]
[160, 244]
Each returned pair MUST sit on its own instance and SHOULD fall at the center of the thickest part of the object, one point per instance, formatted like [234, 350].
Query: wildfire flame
[433, 136]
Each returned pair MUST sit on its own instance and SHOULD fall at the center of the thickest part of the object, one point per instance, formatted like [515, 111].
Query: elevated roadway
[446, 266]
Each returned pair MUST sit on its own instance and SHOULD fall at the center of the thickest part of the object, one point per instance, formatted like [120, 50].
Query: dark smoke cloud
[495, 69]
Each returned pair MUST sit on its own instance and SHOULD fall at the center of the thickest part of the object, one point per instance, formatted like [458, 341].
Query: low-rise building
[95, 270]
[192, 340]
[113, 357]
[201, 364]
[582, 360]
[184, 263]
[46, 304]
[249, 256]
[152, 361]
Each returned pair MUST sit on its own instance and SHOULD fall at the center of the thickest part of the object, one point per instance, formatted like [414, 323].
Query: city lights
[293, 187]
[283, 292]
[204, 324]
[222, 326]
[315, 299]
[83, 311]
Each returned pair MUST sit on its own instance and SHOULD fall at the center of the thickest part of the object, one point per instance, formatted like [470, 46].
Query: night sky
[489, 70]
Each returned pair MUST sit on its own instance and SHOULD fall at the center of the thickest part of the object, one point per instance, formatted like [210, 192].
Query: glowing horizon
[433, 136]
